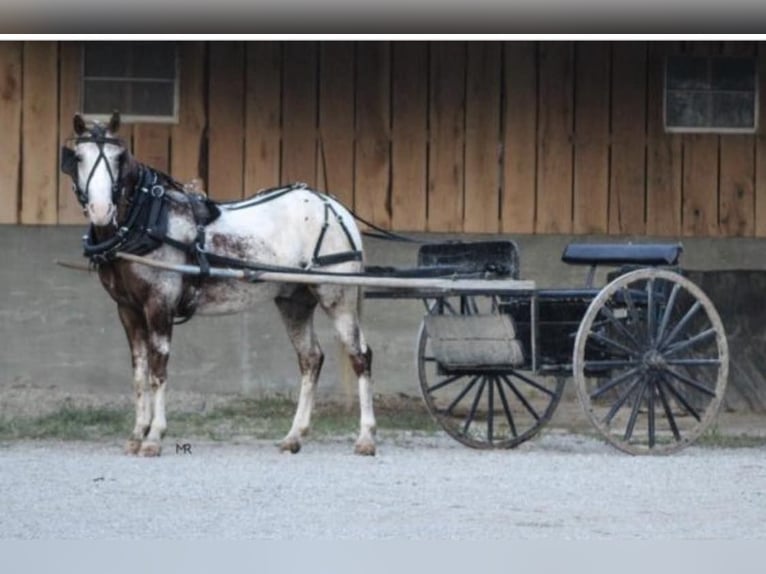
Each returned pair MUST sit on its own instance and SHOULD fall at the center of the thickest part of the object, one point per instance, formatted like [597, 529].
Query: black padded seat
[622, 253]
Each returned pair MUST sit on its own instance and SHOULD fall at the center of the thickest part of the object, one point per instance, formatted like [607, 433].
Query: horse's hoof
[149, 449]
[290, 445]
[364, 448]
[132, 446]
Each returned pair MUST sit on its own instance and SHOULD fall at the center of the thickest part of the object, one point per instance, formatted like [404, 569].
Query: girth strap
[333, 258]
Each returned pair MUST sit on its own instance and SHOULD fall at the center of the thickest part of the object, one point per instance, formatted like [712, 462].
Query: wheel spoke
[632, 311]
[694, 362]
[690, 382]
[667, 312]
[619, 326]
[532, 383]
[445, 382]
[668, 412]
[614, 344]
[462, 394]
[620, 401]
[679, 326]
[650, 319]
[613, 382]
[474, 405]
[699, 337]
[506, 408]
[490, 409]
[650, 413]
[610, 364]
[634, 411]
[521, 397]
[682, 401]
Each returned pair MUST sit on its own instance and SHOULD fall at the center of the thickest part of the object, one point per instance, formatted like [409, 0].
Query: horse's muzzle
[100, 214]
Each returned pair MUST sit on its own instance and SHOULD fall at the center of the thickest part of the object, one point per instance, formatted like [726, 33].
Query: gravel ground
[559, 486]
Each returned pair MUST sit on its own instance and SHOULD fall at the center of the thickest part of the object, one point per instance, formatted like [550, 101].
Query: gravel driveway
[559, 486]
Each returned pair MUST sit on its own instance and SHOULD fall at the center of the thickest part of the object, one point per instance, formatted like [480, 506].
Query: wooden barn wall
[511, 137]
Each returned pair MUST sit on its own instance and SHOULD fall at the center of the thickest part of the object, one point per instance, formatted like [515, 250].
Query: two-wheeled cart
[647, 350]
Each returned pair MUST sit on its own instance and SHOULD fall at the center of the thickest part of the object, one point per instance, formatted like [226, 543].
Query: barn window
[710, 94]
[140, 79]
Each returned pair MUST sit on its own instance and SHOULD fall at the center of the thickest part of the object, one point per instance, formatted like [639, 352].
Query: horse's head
[95, 165]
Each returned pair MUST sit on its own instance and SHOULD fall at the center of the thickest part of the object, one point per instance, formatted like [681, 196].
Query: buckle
[157, 191]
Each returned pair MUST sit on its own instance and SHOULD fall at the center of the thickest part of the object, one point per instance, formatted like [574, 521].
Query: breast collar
[144, 227]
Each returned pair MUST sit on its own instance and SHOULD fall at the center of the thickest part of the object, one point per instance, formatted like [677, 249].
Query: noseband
[69, 164]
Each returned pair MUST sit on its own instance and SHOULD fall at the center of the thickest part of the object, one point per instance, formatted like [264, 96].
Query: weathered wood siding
[511, 137]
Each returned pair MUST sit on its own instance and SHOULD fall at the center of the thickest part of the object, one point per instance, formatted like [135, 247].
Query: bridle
[69, 163]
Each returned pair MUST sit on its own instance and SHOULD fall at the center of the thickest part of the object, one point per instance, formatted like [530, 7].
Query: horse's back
[284, 228]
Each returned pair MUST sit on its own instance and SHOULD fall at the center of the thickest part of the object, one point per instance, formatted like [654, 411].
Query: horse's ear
[114, 122]
[79, 124]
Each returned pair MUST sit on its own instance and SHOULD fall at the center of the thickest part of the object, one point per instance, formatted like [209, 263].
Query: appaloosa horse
[136, 209]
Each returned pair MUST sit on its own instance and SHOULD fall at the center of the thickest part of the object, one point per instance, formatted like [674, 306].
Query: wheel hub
[654, 361]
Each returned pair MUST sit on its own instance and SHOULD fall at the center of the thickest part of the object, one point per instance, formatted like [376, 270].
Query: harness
[146, 222]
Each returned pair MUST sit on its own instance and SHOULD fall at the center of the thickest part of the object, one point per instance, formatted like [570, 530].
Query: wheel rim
[651, 362]
[488, 409]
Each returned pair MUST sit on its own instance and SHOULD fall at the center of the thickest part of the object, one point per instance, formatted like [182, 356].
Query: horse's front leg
[135, 328]
[160, 330]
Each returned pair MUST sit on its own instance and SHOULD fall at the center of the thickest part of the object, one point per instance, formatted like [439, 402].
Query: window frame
[710, 129]
[135, 118]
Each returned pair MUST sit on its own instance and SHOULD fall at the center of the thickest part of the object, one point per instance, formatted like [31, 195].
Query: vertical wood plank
[736, 208]
[263, 111]
[39, 199]
[554, 165]
[409, 136]
[151, 145]
[591, 169]
[10, 120]
[700, 171]
[263, 115]
[70, 86]
[700, 185]
[520, 133]
[446, 149]
[482, 136]
[186, 136]
[737, 181]
[336, 120]
[664, 160]
[760, 150]
[627, 187]
[372, 188]
[226, 121]
[299, 105]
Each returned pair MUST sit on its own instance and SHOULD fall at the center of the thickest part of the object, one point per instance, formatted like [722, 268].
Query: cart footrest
[471, 341]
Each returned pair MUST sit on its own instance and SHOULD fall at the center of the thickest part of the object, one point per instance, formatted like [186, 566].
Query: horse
[134, 208]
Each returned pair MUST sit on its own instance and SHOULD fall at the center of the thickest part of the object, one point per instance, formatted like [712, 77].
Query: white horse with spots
[133, 208]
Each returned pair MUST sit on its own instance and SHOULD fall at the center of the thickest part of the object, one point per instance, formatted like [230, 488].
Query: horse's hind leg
[136, 331]
[298, 313]
[341, 306]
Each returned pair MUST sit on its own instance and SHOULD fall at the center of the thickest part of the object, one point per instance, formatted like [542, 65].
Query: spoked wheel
[651, 362]
[487, 407]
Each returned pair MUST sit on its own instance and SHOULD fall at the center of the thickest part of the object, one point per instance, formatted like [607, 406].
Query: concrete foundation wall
[59, 329]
